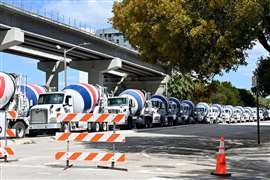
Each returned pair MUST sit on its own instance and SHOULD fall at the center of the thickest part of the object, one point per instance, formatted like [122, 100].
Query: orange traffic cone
[221, 169]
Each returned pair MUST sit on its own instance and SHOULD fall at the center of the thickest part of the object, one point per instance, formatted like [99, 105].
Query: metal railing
[54, 16]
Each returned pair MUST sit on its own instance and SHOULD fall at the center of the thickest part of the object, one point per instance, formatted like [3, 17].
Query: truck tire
[65, 127]
[104, 126]
[20, 129]
[95, 127]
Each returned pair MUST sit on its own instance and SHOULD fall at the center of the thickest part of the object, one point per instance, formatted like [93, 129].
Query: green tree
[247, 98]
[181, 86]
[263, 76]
[201, 36]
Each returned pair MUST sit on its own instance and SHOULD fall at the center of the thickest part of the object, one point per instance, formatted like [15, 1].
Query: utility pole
[258, 117]
[256, 85]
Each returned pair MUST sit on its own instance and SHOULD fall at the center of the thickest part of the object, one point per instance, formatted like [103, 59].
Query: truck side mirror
[68, 101]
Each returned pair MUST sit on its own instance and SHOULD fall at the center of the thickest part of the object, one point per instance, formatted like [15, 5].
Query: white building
[114, 36]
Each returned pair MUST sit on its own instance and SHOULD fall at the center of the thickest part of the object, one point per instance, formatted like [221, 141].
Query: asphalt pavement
[179, 152]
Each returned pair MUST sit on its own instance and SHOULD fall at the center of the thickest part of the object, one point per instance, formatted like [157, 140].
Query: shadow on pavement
[199, 146]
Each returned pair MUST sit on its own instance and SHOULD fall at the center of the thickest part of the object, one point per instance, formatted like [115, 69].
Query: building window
[117, 41]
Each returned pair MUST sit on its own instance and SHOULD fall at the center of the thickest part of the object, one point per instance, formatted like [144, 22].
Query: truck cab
[123, 105]
[201, 112]
[43, 115]
[186, 112]
[213, 115]
[156, 111]
[174, 111]
[237, 116]
[247, 114]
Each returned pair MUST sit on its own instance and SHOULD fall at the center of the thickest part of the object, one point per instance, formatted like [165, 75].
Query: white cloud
[94, 13]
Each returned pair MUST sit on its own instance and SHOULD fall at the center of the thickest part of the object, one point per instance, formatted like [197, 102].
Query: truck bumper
[44, 126]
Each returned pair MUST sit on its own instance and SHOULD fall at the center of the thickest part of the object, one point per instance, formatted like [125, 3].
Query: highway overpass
[27, 34]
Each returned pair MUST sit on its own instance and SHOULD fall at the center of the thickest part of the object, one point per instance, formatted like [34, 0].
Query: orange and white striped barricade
[106, 137]
[82, 118]
[12, 115]
[5, 151]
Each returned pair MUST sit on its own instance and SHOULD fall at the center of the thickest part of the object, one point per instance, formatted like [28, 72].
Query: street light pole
[65, 58]
[258, 117]
[65, 66]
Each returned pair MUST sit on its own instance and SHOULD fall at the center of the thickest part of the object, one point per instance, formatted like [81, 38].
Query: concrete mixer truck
[254, 114]
[174, 111]
[154, 112]
[162, 109]
[130, 103]
[75, 98]
[16, 97]
[201, 111]
[214, 115]
[186, 112]
[227, 113]
[247, 115]
[237, 114]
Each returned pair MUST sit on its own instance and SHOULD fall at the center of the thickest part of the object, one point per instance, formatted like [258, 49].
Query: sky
[92, 15]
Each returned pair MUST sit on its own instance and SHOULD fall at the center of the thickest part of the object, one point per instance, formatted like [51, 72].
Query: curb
[164, 128]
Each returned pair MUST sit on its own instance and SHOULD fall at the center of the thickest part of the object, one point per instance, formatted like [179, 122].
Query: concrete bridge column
[52, 70]
[96, 69]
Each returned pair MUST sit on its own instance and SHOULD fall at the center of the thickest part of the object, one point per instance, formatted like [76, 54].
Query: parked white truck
[75, 98]
[214, 115]
[154, 112]
[247, 115]
[130, 103]
[16, 97]
[201, 111]
[174, 111]
[186, 112]
[163, 110]
[237, 114]
[227, 113]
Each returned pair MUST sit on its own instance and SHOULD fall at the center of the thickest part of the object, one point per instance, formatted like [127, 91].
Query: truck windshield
[200, 109]
[155, 104]
[51, 99]
[117, 101]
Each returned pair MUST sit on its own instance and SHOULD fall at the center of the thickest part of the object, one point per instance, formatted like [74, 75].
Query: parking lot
[180, 152]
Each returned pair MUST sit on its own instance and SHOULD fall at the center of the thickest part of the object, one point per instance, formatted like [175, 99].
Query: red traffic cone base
[221, 169]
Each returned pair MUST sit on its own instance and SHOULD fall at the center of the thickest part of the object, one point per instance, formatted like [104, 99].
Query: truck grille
[38, 116]
[115, 111]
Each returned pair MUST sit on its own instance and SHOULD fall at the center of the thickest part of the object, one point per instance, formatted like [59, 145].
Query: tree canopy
[185, 87]
[199, 36]
[263, 76]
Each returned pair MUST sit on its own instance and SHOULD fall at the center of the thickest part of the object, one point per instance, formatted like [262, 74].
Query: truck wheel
[150, 125]
[104, 127]
[65, 127]
[20, 129]
[95, 127]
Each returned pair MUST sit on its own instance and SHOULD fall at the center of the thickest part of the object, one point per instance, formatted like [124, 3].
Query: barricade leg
[67, 153]
[113, 162]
